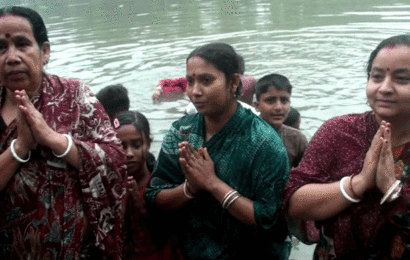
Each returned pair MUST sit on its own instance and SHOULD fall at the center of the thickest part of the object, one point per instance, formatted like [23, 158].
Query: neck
[400, 129]
[214, 123]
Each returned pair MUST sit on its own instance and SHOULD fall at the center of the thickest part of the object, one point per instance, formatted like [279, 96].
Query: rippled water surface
[321, 45]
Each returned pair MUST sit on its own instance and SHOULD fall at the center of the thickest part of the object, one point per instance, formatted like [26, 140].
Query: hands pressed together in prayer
[197, 167]
[379, 169]
[33, 130]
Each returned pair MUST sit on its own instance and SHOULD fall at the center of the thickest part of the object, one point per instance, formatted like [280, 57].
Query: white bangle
[186, 192]
[13, 152]
[228, 204]
[159, 88]
[69, 146]
[390, 192]
[342, 189]
[227, 196]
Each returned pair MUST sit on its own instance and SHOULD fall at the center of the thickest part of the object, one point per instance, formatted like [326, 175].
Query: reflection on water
[320, 45]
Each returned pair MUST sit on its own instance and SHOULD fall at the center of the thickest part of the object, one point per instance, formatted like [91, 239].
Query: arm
[322, 201]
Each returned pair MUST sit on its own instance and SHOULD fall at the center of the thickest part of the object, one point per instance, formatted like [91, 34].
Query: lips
[199, 105]
[16, 74]
[385, 102]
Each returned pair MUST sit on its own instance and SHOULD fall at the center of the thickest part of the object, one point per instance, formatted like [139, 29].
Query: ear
[235, 82]
[256, 105]
[45, 51]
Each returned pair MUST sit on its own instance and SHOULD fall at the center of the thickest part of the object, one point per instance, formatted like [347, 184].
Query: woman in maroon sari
[354, 176]
[62, 170]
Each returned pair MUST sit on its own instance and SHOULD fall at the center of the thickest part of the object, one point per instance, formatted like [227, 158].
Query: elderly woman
[62, 169]
[221, 171]
[354, 178]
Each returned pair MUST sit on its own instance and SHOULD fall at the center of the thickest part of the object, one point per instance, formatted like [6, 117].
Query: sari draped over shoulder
[49, 209]
[249, 156]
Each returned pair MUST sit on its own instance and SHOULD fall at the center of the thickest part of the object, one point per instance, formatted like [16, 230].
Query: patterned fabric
[366, 230]
[50, 210]
[295, 143]
[250, 157]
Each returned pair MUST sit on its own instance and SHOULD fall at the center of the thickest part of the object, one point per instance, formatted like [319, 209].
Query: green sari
[249, 156]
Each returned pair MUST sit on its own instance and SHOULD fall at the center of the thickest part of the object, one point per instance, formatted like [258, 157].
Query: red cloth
[337, 150]
[49, 209]
[140, 234]
[180, 84]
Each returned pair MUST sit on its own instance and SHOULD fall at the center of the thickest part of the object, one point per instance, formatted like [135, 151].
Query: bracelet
[390, 191]
[13, 152]
[69, 146]
[232, 200]
[227, 196]
[159, 88]
[342, 189]
[186, 192]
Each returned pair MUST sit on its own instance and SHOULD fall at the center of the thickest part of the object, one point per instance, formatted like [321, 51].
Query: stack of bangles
[392, 193]
[69, 146]
[229, 198]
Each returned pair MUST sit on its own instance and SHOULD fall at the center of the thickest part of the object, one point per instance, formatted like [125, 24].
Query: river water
[322, 46]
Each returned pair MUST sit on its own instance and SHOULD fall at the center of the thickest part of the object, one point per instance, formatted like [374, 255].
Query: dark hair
[223, 57]
[37, 23]
[277, 81]
[114, 99]
[403, 39]
[138, 120]
[241, 63]
[293, 118]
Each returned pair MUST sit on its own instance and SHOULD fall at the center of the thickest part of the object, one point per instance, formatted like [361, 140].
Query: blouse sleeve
[102, 173]
[271, 169]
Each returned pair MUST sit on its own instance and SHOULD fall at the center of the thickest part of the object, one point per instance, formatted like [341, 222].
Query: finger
[184, 166]
[207, 157]
[399, 169]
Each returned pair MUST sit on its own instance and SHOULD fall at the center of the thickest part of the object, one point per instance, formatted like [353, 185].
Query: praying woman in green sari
[221, 171]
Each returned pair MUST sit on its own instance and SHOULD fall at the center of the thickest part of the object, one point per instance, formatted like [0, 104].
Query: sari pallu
[49, 209]
[249, 156]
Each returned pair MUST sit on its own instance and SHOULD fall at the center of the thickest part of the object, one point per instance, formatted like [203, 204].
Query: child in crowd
[142, 240]
[114, 99]
[273, 102]
[293, 119]
[172, 89]
[273, 93]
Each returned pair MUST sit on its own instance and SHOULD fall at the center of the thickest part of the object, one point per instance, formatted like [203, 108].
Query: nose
[387, 85]
[196, 89]
[278, 106]
[12, 55]
[128, 152]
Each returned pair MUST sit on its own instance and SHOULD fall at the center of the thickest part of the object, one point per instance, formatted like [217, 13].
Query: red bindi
[8, 35]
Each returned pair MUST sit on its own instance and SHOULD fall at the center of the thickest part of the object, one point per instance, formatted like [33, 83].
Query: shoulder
[56, 81]
[347, 123]
[293, 134]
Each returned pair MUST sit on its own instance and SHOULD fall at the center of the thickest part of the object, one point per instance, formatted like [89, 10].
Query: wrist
[360, 185]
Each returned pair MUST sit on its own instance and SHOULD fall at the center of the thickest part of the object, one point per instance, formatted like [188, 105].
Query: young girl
[141, 240]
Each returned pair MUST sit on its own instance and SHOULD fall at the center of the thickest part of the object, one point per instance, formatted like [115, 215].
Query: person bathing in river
[176, 87]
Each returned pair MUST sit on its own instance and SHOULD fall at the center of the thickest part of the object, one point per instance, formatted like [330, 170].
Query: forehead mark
[8, 35]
